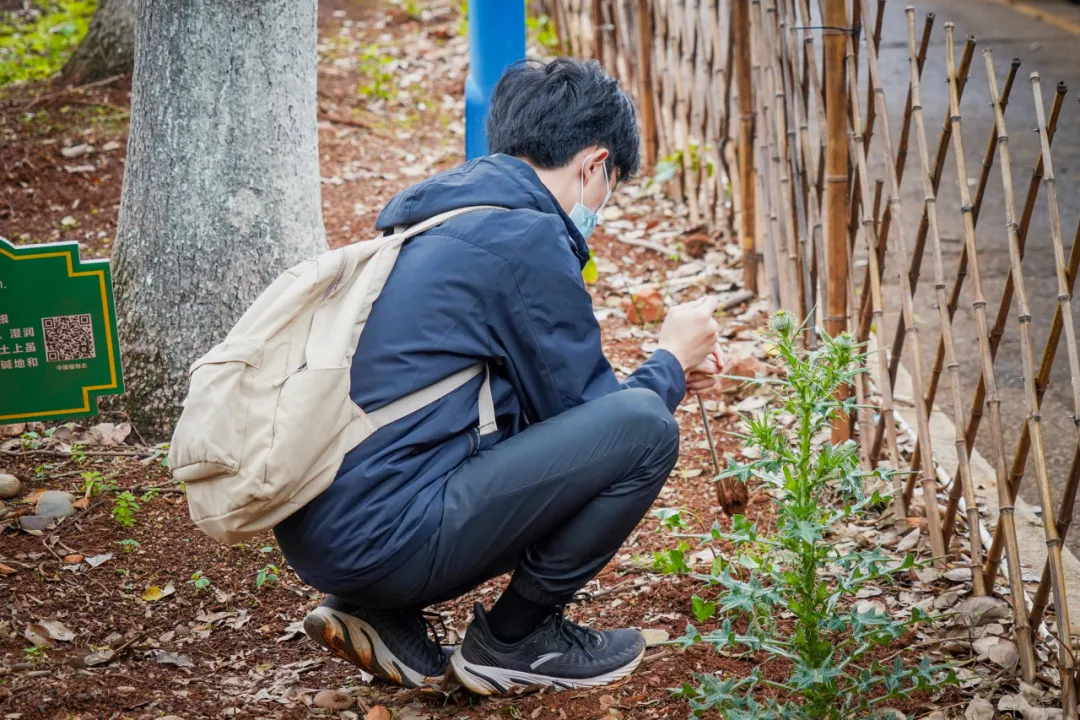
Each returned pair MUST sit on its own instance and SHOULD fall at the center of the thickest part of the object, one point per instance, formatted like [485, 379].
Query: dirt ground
[143, 639]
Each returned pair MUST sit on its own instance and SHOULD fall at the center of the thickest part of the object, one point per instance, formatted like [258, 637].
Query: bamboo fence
[818, 209]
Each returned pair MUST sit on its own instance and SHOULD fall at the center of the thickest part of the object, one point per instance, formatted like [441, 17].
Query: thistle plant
[793, 590]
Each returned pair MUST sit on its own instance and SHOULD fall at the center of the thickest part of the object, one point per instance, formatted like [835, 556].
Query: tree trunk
[221, 187]
[109, 46]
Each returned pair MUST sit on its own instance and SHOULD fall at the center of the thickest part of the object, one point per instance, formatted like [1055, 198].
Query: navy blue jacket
[502, 287]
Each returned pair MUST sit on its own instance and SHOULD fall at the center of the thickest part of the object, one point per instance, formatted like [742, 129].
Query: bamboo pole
[886, 221]
[892, 186]
[1064, 311]
[997, 331]
[1023, 445]
[1064, 297]
[770, 222]
[930, 205]
[806, 212]
[780, 192]
[836, 180]
[1053, 542]
[598, 35]
[958, 283]
[1065, 519]
[740, 30]
[1022, 629]
[645, 82]
[901, 165]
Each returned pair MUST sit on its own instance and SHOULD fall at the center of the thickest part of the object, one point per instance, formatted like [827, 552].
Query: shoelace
[427, 616]
[571, 632]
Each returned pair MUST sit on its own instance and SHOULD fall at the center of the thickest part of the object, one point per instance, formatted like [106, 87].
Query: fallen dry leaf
[170, 658]
[95, 560]
[154, 593]
[655, 636]
[379, 712]
[979, 709]
[112, 434]
[56, 630]
[32, 498]
[73, 558]
[5, 570]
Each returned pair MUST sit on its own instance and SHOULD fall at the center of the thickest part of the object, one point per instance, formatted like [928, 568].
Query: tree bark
[221, 186]
[109, 46]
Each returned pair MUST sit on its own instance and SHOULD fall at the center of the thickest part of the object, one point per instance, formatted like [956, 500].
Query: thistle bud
[781, 323]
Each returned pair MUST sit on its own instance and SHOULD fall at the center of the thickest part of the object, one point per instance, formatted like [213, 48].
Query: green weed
[94, 483]
[124, 508]
[373, 66]
[199, 581]
[36, 45]
[129, 545]
[268, 574]
[35, 655]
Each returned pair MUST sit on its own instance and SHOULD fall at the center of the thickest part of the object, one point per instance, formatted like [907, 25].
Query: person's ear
[595, 164]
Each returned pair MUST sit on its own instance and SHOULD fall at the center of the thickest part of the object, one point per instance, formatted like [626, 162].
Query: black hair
[547, 112]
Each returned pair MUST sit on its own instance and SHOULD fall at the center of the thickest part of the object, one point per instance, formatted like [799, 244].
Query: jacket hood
[500, 180]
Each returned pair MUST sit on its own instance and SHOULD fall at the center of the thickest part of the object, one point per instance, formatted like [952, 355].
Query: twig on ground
[648, 245]
[70, 90]
[735, 300]
[628, 585]
[708, 433]
[88, 453]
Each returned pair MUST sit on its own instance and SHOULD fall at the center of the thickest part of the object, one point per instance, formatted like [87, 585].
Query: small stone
[333, 700]
[35, 523]
[9, 486]
[75, 558]
[55, 503]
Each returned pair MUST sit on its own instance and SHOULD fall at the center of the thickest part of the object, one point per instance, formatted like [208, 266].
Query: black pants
[552, 504]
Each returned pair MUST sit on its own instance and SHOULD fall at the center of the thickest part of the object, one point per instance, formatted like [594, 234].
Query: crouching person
[541, 464]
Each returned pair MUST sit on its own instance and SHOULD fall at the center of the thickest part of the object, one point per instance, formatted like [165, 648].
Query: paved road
[1055, 53]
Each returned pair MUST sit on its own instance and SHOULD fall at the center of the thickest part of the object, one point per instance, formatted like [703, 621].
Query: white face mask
[583, 218]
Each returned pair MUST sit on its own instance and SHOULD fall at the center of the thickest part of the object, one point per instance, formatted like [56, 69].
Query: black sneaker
[391, 644]
[558, 654]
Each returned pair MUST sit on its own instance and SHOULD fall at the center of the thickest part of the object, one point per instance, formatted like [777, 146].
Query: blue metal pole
[496, 39]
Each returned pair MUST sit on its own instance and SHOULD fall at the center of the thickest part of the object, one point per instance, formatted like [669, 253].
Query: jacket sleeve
[548, 338]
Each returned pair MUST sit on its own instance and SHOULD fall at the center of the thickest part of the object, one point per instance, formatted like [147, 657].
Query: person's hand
[689, 332]
[702, 377]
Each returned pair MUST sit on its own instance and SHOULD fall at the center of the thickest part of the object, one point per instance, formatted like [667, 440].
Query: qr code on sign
[68, 337]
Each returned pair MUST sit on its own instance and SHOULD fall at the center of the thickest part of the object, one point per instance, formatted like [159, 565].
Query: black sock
[513, 618]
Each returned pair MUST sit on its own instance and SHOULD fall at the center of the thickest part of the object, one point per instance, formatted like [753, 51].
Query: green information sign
[58, 346]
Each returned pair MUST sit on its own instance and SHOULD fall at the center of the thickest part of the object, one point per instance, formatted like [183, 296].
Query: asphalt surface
[1054, 52]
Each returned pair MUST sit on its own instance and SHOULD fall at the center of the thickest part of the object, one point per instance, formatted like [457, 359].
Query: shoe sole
[356, 642]
[487, 680]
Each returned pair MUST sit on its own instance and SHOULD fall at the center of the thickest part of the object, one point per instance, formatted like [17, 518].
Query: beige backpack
[268, 417]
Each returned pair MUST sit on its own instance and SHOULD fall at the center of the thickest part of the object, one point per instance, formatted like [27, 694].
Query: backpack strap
[424, 397]
[406, 232]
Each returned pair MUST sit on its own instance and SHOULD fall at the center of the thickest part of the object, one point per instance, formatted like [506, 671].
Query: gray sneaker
[394, 645]
[558, 654]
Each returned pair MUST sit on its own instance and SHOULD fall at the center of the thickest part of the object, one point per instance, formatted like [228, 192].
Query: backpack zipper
[282, 381]
[337, 278]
